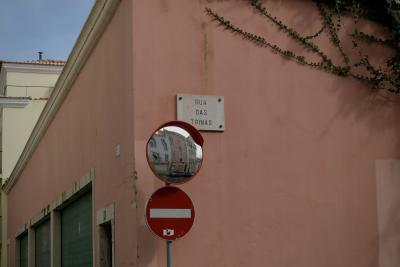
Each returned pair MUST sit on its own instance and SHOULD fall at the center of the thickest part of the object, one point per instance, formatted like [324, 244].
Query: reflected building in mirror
[174, 155]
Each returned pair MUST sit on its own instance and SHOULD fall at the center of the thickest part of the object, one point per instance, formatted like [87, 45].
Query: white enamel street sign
[202, 111]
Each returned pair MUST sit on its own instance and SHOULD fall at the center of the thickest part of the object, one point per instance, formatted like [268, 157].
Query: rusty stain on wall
[204, 80]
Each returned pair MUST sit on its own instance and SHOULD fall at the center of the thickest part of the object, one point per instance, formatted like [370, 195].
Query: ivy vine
[386, 13]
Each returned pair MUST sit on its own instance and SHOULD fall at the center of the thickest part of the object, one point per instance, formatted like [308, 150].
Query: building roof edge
[31, 67]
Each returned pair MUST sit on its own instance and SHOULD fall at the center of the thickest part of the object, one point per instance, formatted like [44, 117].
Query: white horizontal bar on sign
[170, 213]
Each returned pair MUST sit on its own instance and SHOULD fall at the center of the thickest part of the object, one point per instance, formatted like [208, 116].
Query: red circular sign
[169, 213]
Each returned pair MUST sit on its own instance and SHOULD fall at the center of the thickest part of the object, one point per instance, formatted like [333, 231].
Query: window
[42, 244]
[22, 248]
[166, 157]
[105, 237]
[76, 232]
[105, 222]
[156, 156]
[152, 143]
[164, 144]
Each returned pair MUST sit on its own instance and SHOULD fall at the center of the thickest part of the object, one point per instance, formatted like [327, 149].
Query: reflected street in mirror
[173, 154]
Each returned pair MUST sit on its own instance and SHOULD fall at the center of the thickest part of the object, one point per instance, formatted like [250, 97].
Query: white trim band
[32, 68]
[14, 102]
[171, 213]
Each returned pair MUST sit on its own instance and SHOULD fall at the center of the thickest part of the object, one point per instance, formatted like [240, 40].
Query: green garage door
[23, 250]
[76, 233]
[42, 244]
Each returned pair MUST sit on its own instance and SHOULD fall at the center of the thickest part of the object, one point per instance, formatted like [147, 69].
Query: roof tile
[39, 62]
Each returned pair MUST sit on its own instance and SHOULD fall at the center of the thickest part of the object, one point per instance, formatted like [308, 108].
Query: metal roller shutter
[76, 233]
[23, 250]
[42, 244]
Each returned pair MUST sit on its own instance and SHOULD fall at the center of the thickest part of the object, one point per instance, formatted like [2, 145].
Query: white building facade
[24, 90]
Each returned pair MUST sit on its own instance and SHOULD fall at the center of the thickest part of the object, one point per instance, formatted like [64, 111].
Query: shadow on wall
[377, 109]
[358, 102]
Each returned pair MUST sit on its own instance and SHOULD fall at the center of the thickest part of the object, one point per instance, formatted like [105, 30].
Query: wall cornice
[99, 17]
[31, 68]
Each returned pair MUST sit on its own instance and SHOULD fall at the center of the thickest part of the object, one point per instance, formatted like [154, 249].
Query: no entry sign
[169, 213]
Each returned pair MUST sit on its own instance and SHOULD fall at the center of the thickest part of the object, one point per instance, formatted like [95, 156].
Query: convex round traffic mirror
[174, 152]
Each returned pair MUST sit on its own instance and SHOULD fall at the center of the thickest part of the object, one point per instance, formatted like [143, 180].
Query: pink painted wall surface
[291, 182]
[96, 115]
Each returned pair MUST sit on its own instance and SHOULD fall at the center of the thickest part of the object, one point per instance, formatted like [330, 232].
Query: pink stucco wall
[96, 115]
[291, 181]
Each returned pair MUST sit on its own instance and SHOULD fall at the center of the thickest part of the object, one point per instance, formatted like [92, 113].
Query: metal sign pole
[169, 253]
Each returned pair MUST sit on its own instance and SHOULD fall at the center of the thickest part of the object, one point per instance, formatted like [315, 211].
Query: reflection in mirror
[173, 154]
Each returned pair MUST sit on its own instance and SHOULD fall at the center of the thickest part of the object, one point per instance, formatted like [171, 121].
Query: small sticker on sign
[168, 232]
